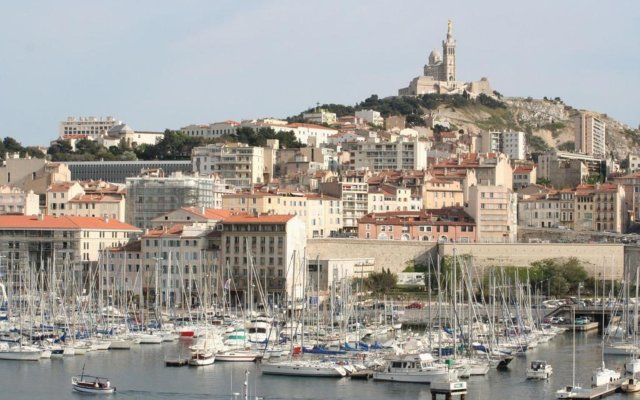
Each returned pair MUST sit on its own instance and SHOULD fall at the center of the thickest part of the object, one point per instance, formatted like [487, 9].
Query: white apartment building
[16, 201]
[354, 194]
[590, 135]
[633, 163]
[514, 145]
[309, 134]
[401, 154]
[212, 130]
[94, 127]
[511, 143]
[236, 163]
[392, 198]
[495, 210]
[371, 116]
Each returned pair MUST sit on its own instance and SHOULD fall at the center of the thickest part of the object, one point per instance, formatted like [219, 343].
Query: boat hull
[410, 377]
[307, 371]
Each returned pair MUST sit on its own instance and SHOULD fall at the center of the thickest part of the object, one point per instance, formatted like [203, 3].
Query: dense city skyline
[157, 66]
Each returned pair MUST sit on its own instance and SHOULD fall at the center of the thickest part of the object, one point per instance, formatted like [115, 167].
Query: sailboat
[573, 391]
[602, 375]
[632, 384]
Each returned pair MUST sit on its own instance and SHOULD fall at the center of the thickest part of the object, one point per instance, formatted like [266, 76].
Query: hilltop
[548, 123]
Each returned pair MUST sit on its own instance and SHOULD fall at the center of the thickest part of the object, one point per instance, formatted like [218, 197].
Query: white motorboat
[539, 370]
[603, 376]
[150, 338]
[414, 368]
[630, 385]
[201, 358]
[92, 384]
[311, 368]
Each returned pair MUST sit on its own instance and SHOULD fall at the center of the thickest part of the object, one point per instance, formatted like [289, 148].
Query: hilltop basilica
[440, 74]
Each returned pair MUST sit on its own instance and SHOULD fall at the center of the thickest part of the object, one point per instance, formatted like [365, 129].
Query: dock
[589, 326]
[603, 391]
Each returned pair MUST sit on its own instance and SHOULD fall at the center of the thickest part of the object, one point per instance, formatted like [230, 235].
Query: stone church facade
[440, 74]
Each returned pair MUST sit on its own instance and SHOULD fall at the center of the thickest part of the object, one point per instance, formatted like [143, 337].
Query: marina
[141, 374]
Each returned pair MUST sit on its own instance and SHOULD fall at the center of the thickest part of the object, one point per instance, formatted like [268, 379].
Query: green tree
[381, 282]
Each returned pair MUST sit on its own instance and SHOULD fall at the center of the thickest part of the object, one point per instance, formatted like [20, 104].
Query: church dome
[435, 57]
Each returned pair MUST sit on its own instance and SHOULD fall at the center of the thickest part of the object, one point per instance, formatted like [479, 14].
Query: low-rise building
[449, 224]
[600, 207]
[16, 201]
[320, 117]
[213, 130]
[540, 211]
[371, 116]
[523, 176]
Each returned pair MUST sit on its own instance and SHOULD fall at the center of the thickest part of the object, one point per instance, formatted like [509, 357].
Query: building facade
[494, 208]
[590, 136]
[119, 171]
[449, 225]
[93, 127]
[237, 163]
[401, 154]
[16, 201]
[151, 196]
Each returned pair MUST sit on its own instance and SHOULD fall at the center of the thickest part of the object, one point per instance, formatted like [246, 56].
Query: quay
[602, 391]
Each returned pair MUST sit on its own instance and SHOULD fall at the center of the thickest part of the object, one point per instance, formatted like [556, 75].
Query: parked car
[582, 320]
[416, 306]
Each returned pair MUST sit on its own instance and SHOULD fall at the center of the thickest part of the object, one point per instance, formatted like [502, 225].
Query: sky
[167, 64]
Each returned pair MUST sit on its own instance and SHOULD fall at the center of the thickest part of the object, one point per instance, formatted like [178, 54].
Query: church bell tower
[449, 56]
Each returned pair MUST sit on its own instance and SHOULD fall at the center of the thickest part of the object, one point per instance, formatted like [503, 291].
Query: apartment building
[631, 185]
[58, 196]
[439, 192]
[32, 173]
[387, 197]
[448, 225]
[401, 154]
[16, 201]
[371, 116]
[266, 251]
[119, 171]
[66, 243]
[237, 164]
[321, 214]
[590, 135]
[511, 143]
[601, 208]
[353, 191]
[320, 117]
[489, 169]
[494, 208]
[540, 211]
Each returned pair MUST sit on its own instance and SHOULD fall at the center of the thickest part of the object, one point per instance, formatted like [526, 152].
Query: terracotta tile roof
[60, 186]
[62, 222]
[164, 231]
[96, 198]
[441, 216]
[209, 213]
[261, 219]
[310, 126]
[523, 169]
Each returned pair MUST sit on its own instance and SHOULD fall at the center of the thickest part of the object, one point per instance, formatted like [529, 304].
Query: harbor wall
[396, 255]
[607, 259]
[392, 254]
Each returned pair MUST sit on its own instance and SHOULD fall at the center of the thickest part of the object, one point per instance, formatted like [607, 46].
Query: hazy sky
[166, 64]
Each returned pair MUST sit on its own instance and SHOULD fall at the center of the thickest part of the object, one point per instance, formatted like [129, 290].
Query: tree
[381, 282]
[59, 150]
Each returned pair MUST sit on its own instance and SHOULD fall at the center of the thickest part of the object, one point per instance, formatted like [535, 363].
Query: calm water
[140, 374]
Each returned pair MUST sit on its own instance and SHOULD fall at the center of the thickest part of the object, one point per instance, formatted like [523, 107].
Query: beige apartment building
[321, 214]
[494, 208]
[237, 164]
[631, 185]
[73, 243]
[32, 173]
[600, 207]
[59, 194]
[438, 193]
[266, 251]
[392, 198]
[590, 136]
[353, 191]
[400, 154]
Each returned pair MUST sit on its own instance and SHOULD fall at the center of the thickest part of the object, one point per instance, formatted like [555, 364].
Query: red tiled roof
[209, 213]
[96, 198]
[60, 186]
[62, 222]
[261, 219]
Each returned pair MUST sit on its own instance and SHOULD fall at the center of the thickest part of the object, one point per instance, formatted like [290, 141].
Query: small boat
[238, 356]
[202, 357]
[539, 370]
[310, 368]
[630, 385]
[92, 384]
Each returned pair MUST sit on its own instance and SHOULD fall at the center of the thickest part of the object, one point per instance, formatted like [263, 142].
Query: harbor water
[140, 373]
